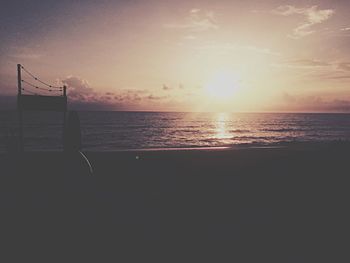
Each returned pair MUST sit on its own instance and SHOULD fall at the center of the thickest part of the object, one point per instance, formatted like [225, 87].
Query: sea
[113, 131]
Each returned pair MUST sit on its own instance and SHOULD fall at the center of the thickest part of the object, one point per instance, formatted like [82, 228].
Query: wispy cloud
[24, 53]
[344, 66]
[130, 96]
[154, 97]
[81, 95]
[313, 103]
[233, 47]
[196, 21]
[312, 16]
[319, 69]
[305, 63]
[190, 37]
[316, 63]
[265, 51]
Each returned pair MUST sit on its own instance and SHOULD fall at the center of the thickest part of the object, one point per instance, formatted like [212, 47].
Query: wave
[284, 130]
[115, 130]
[239, 131]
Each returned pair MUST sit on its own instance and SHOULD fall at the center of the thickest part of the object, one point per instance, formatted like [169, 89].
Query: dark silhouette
[72, 133]
[77, 162]
[282, 204]
[32, 100]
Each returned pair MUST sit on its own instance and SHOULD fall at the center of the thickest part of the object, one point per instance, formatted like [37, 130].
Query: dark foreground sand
[287, 204]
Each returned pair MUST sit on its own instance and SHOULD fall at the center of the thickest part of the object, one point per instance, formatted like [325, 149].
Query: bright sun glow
[222, 85]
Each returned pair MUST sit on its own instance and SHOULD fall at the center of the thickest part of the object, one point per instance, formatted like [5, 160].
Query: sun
[222, 85]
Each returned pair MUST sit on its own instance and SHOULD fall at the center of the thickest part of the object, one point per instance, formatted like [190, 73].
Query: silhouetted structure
[72, 133]
[35, 101]
[76, 161]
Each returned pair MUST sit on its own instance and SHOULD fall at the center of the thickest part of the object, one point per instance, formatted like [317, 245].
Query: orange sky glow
[185, 55]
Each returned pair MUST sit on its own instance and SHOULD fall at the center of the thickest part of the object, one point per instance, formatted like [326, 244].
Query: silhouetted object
[42, 103]
[38, 102]
[72, 133]
[78, 163]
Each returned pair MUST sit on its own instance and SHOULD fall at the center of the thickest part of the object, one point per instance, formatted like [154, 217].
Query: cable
[37, 79]
[40, 88]
[34, 93]
[30, 92]
[32, 85]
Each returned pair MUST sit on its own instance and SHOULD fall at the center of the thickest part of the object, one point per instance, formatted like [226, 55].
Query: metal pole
[65, 109]
[64, 114]
[19, 108]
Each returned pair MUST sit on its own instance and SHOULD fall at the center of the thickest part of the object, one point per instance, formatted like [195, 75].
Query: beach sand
[273, 204]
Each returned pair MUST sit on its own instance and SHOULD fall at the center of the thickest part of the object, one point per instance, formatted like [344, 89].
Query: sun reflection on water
[221, 125]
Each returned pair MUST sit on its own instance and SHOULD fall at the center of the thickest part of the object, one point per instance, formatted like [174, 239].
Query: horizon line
[217, 112]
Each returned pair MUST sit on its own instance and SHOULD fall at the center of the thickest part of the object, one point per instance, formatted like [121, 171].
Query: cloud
[190, 37]
[312, 103]
[335, 69]
[312, 16]
[24, 53]
[345, 66]
[319, 69]
[153, 97]
[194, 10]
[82, 96]
[79, 89]
[196, 21]
[180, 86]
[130, 96]
[166, 87]
[260, 50]
[232, 47]
[333, 75]
[306, 63]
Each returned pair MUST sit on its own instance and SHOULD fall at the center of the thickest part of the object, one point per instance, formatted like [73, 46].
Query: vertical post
[19, 107]
[65, 108]
[64, 114]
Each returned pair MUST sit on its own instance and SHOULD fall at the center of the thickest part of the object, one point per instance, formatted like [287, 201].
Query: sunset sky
[182, 55]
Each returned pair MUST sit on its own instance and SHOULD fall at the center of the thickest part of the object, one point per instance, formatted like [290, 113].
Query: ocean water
[110, 131]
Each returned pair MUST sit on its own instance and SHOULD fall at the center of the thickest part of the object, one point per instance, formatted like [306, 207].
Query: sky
[223, 55]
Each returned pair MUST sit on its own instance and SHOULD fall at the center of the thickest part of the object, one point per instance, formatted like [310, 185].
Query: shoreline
[224, 159]
[278, 145]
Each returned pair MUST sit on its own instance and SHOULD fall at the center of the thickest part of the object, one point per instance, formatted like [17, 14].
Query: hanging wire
[30, 92]
[39, 80]
[40, 88]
